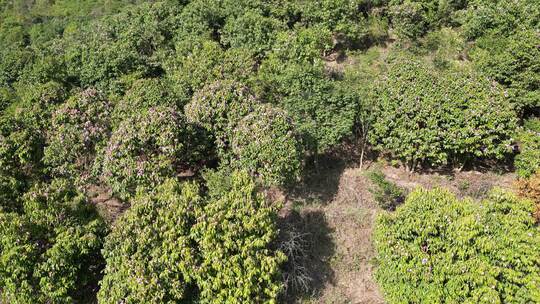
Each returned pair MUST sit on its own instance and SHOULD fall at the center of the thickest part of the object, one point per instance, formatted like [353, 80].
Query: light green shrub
[266, 144]
[234, 231]
[150, 255]
[438, 249]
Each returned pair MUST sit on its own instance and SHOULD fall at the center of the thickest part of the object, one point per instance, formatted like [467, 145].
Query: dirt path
[339, 199]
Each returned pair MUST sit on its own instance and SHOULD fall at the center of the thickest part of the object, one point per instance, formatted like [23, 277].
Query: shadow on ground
[320, 182]
[306, 240]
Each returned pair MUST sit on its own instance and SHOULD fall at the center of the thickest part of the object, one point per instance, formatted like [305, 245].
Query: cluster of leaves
[77, 129]
[174, 245]
[436, 248]
[424, 117]
[49, 250]
[386, 193]
[528, 161]
[148, 148]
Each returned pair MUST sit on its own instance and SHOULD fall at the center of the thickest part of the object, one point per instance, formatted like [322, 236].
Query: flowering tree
[146, 149]
[78, 128]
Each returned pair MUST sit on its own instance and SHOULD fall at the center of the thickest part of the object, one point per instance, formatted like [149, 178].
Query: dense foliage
[146, 149]
[129, 105]
[528, 161]
[436, 248]
[173, 245]
[78, 128]
[49, 251]
[237, 227]
[424, 117]
[150, 255]
[266, 144]
[218, 107]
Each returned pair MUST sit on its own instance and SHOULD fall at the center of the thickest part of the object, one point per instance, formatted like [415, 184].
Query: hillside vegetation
[182, 151]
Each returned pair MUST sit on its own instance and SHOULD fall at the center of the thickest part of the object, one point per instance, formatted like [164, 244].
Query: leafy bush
[499, 17]
[50, 252]
[408, 20]
[78, 128]
[251, 31]
[386, 193]
[218, 107]
[206, 62]
[265, 144]
[436, 248]
[147, 148]
[428, 118]
[513, 61]
[234, 231]
[527, 162]
[119, 45]
[143, 94]
[173, 245]
[341, 17]
[322, 110]
[413, 18]
[150, 254]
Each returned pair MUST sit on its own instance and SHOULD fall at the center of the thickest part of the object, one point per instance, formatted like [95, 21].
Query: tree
[150, 255]
[427, 118]
[218, 107]
[234, 232]
[265, 143]
[436, 248]
[323, 112]
[251, 31]
[50, 251]
[142, 95]
[147, 148]
[78, 128]
[514, 62]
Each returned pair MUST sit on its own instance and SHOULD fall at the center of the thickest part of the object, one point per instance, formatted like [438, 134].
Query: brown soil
[109, 207]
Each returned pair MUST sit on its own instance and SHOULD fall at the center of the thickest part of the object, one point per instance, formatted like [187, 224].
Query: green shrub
[173, 245]
[265, 143]
[218, 107]
[411, 19]
[343, 18]
[150, 255]
[527, 162]
[499, 17]
[206, 62]
[251, 31]
[514, 62]
[235, 230]
[143, 94]
[323, 111]
[78, 128]
[438, 249]
[386, 193]
[50, 251]
[423, 117]
[147, 148]
[408, 20]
